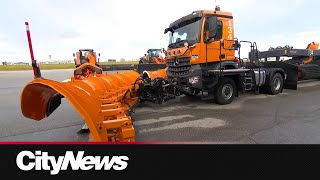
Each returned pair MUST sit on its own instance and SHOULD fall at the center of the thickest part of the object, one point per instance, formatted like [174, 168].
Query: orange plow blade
[103, 101]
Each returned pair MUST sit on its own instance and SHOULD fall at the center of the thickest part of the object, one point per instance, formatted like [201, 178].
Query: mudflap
[150, 67]
[291, 71]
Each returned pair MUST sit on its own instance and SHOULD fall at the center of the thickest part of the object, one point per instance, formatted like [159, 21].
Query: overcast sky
[127, 28]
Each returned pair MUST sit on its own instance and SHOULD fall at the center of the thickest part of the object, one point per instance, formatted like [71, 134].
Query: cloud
[126, 29]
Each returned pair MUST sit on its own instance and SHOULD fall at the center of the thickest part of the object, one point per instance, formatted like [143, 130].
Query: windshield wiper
[178, 42]
[171, 45]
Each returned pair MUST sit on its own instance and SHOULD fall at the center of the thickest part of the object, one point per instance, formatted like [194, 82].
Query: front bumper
[193, 80]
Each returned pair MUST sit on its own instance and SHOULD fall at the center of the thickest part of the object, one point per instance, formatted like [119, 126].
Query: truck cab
[200, 41]
[197, 36]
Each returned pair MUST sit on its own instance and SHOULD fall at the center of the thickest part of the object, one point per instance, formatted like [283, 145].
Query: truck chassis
[223, 80]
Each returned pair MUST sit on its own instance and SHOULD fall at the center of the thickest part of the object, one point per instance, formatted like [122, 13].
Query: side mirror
[99, 54]
[167, 30]
[210, 28]
[74, 55]
[236, 44]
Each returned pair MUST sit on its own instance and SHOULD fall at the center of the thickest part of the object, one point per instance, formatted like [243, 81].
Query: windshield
[186, 32]
[155, 53]
[85, 53]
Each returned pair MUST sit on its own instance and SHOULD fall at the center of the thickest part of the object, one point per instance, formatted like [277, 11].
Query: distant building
[111, 60]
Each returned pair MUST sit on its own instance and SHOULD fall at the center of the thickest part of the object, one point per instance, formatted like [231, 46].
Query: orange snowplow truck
[201, 58]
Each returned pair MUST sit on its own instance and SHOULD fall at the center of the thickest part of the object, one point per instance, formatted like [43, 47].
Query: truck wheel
[225, 91]
[276, 85]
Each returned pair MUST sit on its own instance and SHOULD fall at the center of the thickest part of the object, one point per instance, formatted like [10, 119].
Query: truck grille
[179, 67]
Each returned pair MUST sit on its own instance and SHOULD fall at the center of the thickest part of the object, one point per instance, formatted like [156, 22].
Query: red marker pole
[36, 70]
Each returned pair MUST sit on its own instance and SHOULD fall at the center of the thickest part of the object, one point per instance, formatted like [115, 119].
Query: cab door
[218, 38]
[212, 34]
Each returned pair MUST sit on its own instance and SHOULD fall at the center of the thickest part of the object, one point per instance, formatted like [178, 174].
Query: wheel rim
[227, 91]
[276, 84]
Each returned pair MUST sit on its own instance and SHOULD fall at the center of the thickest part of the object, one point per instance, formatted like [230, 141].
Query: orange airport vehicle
[86, 56]
[153, 56]
[86, 63]
[152, 61]
[201, 58]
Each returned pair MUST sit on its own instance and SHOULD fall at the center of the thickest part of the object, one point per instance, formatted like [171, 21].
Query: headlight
[194, 80]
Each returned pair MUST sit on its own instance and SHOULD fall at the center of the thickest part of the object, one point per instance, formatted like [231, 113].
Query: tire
[276, 84]
[225, 91]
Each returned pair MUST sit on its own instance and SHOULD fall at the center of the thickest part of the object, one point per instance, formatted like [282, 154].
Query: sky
[127, 28]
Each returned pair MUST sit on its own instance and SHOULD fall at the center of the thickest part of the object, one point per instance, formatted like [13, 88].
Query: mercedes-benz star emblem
[176, 62]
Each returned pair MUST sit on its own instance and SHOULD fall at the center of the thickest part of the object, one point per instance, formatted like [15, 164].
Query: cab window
[219, 30]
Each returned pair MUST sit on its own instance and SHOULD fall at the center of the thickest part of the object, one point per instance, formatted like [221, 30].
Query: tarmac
[288, 118]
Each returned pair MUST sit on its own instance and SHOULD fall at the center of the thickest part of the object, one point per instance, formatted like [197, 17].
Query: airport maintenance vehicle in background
[83, 60]
[153, 56]
[84, 56]
[152, 61]
[200, 59]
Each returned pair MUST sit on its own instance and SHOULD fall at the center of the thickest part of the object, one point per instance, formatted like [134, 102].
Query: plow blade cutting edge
[103, 101]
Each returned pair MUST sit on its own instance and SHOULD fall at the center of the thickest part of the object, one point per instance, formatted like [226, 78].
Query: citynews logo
[42, 161]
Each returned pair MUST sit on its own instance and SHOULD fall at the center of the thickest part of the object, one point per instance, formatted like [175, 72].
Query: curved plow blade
[103, 101]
